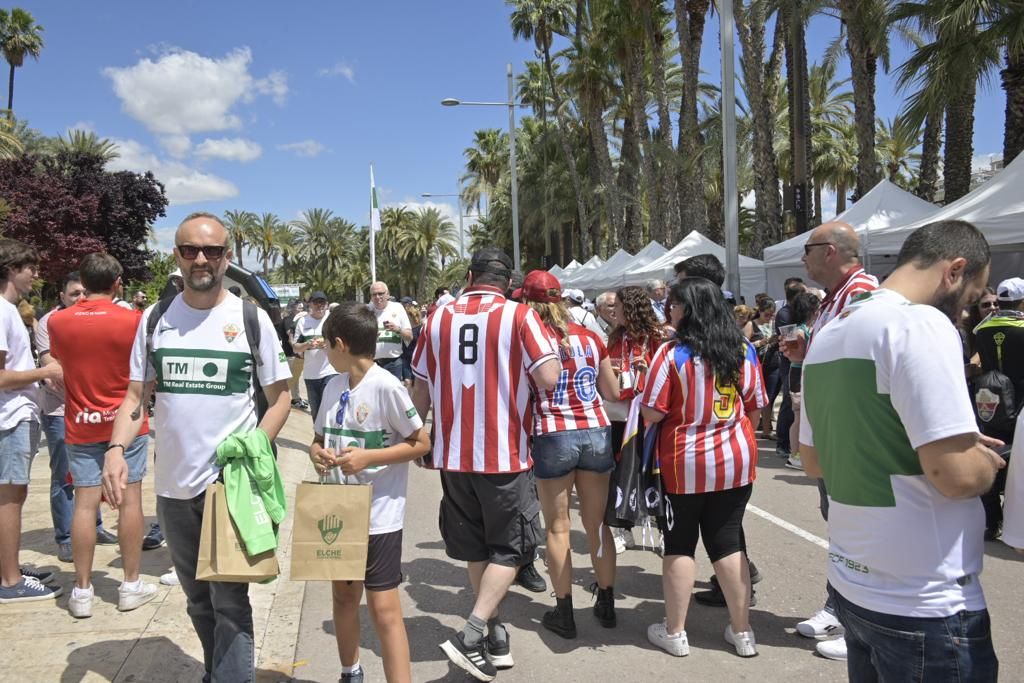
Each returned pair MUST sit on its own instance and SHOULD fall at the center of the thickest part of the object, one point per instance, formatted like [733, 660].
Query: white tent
[590, 279]
[583, 271]
[885, 205]
[751, 270]
[571, 266]
[557, 272]
[996, 208]
[610, 276]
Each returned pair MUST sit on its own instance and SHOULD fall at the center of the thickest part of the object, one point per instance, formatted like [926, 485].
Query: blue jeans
[786, 417]
[392, 365]
[887, 647]
[315, 394]
[556, 454]
[62, 494]
[220, 612]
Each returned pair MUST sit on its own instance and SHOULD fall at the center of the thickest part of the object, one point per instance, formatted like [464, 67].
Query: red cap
[542, 287]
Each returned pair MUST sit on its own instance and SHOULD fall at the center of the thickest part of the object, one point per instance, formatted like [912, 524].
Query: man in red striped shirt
[832, 259]
[474, 357]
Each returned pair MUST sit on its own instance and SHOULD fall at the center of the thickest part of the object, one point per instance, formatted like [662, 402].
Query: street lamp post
[731, 203]
[462, 238]
[511, 104]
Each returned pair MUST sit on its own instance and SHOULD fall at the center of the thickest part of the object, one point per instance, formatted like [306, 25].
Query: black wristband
[116, 445]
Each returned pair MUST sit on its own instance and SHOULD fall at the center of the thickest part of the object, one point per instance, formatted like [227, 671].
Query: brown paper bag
[331, 532]
[222, 556]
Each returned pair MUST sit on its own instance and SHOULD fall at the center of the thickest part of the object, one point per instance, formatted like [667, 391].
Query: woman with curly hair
[572, 449]
[706, 391]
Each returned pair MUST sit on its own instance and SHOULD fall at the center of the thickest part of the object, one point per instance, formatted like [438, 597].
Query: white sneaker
[80, 602]
[742, 641]
[833, 649]
[170, 579]
[128, 599]
[627, 538]
[675, 644]
[821, 625]
[794, 462]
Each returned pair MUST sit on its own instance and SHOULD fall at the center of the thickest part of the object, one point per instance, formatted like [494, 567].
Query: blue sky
[271, 107]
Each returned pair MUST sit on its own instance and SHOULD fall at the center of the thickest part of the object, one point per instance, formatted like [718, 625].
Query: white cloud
[178, 146]
[183, 183]
[828, 205]
[340, 69]
[162, 238]
[304, 148]
[182, 92]
[84, 126]
[231, 149]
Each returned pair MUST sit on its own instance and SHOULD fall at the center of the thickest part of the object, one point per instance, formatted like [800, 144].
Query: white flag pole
[374, 227]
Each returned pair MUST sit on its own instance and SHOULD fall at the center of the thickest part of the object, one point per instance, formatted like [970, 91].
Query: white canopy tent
[996, 208]
[885, 205]
[611, 276]
[583, 271]
[751, 270]
[557, 272]
[590, 279]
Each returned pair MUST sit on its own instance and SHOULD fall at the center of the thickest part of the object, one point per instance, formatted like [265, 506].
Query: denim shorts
[87, 461]
[559, 453]
[18, 447]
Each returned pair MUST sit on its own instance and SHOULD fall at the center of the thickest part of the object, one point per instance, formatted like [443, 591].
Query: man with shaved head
[832, 259]
[202, 365]
[393, 328]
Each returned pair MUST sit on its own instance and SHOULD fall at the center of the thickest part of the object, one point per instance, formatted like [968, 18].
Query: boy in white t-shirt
[367, 431]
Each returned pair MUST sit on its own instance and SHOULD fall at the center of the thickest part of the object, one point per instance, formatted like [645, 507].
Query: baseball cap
[1011, 289]
[540, 286]
[491, 260]
[574, 295]
[318, 296]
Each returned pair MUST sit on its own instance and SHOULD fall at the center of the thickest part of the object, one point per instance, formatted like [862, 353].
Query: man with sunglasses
[393, 328]
[202, 364]
[832, 259]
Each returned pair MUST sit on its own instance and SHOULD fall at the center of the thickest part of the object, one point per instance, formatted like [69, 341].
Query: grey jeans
[220, 612]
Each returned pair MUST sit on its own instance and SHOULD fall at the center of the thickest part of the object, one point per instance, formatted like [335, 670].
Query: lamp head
[450, 102]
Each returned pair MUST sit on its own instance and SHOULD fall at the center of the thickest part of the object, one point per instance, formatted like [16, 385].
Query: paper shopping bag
[331, 532]
[222, 556]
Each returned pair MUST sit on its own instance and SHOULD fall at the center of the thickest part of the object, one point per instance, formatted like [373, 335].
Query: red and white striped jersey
[574, 403]
[856, 282]
[476, 353]
[624, 354]
[706, 442]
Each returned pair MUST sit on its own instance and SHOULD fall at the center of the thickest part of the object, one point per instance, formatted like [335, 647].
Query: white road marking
[792, 528]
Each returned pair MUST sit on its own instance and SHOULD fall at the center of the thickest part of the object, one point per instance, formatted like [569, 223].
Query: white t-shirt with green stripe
[389, 342]
[882, 379]
[203, 371]
[378, 414]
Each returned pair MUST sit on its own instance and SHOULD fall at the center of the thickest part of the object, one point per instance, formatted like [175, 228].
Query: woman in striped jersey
[706, 390]
[572, 448]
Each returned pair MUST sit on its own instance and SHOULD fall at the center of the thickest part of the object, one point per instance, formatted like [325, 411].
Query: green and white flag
[374, 226]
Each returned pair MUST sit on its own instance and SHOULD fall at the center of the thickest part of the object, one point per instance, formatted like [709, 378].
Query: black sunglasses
[810, 245]
[212, 252]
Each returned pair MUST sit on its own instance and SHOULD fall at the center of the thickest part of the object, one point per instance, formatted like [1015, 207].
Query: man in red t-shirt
[473, 359]
[92, 341]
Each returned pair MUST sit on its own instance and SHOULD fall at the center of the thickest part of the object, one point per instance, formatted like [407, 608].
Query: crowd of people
[521, 394]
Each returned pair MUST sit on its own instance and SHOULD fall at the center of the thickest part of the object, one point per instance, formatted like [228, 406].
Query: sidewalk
[155, 643]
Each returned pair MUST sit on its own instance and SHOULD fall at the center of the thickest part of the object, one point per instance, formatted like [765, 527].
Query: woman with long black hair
[706, 391]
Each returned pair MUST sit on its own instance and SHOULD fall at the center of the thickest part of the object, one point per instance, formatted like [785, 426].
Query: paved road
[435, 600]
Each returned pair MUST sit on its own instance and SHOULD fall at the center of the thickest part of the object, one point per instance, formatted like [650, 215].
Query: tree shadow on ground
[166, 661]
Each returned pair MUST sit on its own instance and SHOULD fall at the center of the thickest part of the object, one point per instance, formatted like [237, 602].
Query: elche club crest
[987, 404]
[231, 331]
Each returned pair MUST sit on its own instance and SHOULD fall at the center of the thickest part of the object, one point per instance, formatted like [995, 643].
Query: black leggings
[715, 517]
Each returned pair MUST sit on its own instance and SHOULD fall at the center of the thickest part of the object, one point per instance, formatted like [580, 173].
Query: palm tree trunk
[239, 245]
[638, 111]
[959, 143]
[840, 198]
[1013, 84]
[690, 16]
[10, 95]
[631, 236]
[863, 66]
[663, 141]
[817, 218]
[931, 142]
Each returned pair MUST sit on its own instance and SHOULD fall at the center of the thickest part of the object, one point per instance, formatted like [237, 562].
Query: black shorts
[489, 517]
[715, 517]
[795, 375]
[384, 562]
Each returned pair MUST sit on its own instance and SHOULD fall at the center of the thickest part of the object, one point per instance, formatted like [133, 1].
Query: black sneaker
[560, 620]
[104, 537]
[604, 609]
[472, 660]
[530, 579]
[154, 539]
[716, 598]
[352, 677]
[499, 653]
[755, 575]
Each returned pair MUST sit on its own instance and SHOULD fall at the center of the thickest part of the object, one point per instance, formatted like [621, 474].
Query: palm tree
[264, 238]
[11, 145]
[428, 244]
[835, 161]
[20, 37]
[690, 18]
[1006, 27]
[87, 143]
[486, 162]
[897, 140]
[240, 226]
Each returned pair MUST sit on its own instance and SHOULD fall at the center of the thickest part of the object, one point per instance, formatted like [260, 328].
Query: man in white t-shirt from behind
[367, 431]
[903, 464]
[574, 299]
[309, 341]
[393, 328]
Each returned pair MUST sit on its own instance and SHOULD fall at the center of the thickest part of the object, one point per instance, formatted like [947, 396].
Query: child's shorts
[384, 561]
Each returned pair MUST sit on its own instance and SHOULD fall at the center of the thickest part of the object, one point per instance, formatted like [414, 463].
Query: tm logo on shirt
[187, 371]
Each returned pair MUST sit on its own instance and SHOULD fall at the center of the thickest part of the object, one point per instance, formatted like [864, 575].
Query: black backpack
[251, 322]
[996, 404]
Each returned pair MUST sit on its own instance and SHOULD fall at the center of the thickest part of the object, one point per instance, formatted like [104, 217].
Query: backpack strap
[154, 317]
[251, 322]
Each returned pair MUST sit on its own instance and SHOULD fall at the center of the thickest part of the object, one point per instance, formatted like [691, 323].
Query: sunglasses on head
[212, 252]
[339, 418]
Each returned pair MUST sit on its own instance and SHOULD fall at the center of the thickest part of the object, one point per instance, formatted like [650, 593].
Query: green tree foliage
[20, 37]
